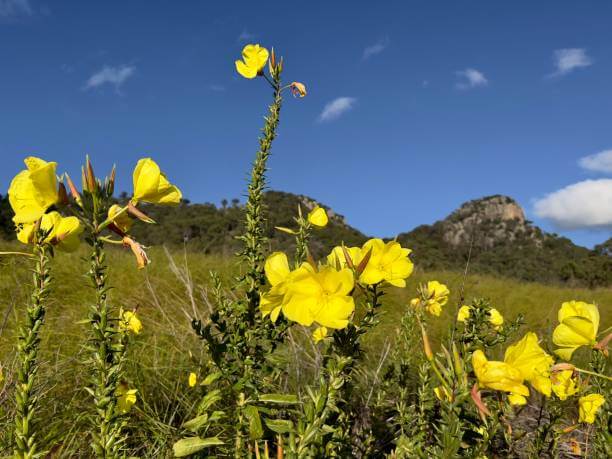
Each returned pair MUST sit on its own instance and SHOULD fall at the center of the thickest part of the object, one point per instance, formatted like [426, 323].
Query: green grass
[167, 294]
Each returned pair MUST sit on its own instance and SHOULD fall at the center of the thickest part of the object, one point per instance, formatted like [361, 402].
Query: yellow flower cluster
[433, 296]
[322, 294]
[524, 361]
[495, 317]
[388, 262]
[307, 295]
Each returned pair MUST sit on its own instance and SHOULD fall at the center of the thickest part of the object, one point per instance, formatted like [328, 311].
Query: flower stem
[29, 343]
[106, 362]
[254, 238]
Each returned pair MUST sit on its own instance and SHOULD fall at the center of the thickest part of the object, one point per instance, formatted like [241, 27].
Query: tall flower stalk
[254, 238]
[27, 349]
[109, 326]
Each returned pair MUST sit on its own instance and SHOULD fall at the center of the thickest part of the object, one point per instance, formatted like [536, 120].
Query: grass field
[171, 291]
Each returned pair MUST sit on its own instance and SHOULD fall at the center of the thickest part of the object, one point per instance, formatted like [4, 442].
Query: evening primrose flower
[130, 322]
[464, 313]
[388, 262]
[62, 232]
[495, 318]
[126, 398]
[33, 190]
[151, 185]
[319, 334]
[532, 361]
[578, 325]
[277, 272]
[500, 376]
[437, 296]
[123, 221]
[254, 58]
[321, 296]
[588, 407]
[193, 379]
[564, 384]
[318, 217]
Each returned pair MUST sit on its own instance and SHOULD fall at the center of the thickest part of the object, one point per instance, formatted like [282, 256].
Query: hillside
[492, 232]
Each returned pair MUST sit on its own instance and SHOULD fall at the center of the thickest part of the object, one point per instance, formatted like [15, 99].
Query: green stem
[27, 349]
[580, 370]
[108, 351]
[254, 238]
[301, 240]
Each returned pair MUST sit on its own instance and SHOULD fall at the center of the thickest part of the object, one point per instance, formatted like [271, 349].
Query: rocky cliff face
[486, 222]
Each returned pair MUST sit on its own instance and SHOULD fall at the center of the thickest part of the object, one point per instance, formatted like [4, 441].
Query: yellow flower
[319, 334]
[337, 257]
[193, 379]
[277, 272]
[321, 296]
[464, 313]
[33, 190]
[437, 296]
[563, 384]
[125, 398]
[123, 221]
[578, 325]
[62, 232]
[298, 89]
[130, 322]
[318, 217]
[495, 318]
[532, 361]
[151, 185]
[388, 262]
[588, 406]
[500, 376]
[254, 58]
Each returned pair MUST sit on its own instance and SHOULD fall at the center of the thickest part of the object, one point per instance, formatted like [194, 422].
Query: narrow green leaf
[191, 445]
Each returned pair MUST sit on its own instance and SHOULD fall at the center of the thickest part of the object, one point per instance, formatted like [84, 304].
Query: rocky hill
[492, 233]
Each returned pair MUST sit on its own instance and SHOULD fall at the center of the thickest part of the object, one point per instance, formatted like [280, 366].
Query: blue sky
[413, 107]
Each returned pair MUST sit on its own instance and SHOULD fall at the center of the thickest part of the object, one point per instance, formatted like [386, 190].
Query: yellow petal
[193, 379]
[318, 217]
[276, 268]
[319, 334]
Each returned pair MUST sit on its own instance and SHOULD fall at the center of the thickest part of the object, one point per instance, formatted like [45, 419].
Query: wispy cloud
[245, 35]
[11, 8]
[583, 205]
[375, 49]
[598, 162]
[470, 78]
[114, 76]
[336, 108]
[569, 59]
[216, 87]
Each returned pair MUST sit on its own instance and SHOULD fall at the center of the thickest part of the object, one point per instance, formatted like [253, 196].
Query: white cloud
[110, 75]
[471, 78]
[10, 8]
[337, 107]
[568, 59]
[583, 205]
[216, 87]
[245, 35]
[598, 162]
[375, 49]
